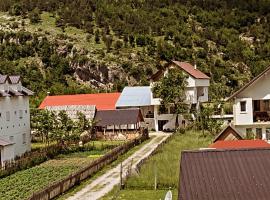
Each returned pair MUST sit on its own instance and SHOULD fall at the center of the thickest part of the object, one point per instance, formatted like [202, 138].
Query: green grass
[166, 163]
[142, 194]
[104, 170]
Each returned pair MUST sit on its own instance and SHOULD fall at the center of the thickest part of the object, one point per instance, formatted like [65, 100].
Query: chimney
[195, 66]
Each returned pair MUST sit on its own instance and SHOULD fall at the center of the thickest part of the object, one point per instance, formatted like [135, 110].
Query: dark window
[266, 105]
[243, 105]
[257, 105]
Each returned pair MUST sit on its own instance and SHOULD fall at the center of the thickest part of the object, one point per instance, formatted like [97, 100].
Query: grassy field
[22, 184]
[106, 168]
[166, 164]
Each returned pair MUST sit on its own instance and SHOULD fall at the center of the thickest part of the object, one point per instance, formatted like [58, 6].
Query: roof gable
[228, 130]
[250, 83]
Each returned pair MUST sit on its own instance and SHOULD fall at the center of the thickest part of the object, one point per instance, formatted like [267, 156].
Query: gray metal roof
[5, 142]
[135, 96]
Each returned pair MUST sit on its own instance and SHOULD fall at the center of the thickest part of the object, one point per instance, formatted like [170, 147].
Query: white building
[14, 118]
[251, 107]
[155, 115]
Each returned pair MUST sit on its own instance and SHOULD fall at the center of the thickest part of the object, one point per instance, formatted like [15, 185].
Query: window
[257, 105]
[243, 105]
[20, 114]
[258, 133]
[267, 131]
[249, 133]
[24, 138]
[8, 116]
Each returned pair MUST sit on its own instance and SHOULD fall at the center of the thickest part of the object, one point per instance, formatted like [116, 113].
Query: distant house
[123, 120]
[238, 144]
[14, 118]
[229, 133]
[251, 107]
[240, 174]
[197, 82]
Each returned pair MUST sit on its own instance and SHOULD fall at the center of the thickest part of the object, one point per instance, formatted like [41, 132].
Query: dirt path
[105, 183]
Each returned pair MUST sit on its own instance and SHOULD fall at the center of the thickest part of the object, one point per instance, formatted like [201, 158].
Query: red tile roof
[191, 70]
[102, 101]
[236, 144]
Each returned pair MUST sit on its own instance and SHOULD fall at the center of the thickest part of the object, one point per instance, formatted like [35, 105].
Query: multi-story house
[251, 107]
[155, 115]
[14, 118]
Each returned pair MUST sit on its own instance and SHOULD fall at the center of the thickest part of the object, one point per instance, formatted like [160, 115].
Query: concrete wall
[243, 118]
[242, 129]
[7, 153]
[15, 122]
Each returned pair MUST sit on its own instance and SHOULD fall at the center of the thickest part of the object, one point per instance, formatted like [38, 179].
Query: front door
[161, 123]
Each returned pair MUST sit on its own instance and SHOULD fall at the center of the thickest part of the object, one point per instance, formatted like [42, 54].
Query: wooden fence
[64, 185]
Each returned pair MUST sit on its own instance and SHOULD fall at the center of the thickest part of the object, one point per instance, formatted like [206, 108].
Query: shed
[230, 174]
[228, 133]
[6, 150]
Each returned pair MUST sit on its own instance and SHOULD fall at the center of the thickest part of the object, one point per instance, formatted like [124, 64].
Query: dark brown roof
[225, 130]
[187, 67]
[4, 142]
[241, 174]
[249, 83]
[118, 117]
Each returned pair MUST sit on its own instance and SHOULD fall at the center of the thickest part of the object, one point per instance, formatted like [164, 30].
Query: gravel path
[105, 183]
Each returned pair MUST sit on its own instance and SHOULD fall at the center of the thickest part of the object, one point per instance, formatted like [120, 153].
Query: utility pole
[155, 172]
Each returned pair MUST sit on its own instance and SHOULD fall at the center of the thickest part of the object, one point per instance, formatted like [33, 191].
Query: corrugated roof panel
[135, 96]
[5, 142]
[240, 174]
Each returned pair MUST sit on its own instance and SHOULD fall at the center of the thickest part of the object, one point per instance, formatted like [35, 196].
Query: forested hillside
[77, 46]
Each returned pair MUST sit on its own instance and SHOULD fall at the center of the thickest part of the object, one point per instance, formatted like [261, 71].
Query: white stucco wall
[18, 125]
[242, 118]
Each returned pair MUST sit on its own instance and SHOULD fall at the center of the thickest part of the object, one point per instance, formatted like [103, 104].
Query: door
[161, 123]
[258, 133]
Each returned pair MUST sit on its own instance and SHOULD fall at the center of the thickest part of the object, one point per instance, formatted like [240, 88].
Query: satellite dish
[168, 195]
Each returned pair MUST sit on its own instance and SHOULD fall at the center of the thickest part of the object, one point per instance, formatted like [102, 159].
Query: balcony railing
[261, 116]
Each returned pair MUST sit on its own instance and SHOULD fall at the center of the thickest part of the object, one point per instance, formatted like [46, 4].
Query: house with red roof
[197, 82]
[196, 93]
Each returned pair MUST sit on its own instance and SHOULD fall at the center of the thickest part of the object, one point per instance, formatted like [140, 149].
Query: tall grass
[165, 163]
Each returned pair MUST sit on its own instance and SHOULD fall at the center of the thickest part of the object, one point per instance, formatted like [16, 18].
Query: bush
[34, 16]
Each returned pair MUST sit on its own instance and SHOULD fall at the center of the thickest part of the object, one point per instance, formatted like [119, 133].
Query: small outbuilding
[122, 120]
[229, 133]
[6, 151]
